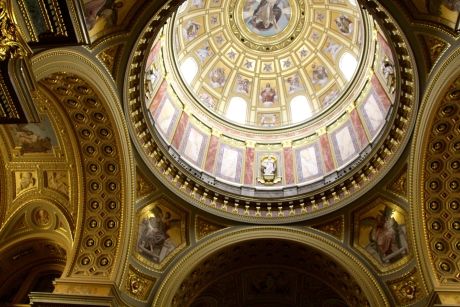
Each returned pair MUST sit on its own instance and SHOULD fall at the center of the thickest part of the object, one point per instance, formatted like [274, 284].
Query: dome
[268, 99]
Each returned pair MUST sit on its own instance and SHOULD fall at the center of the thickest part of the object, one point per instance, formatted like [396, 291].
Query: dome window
[300, 109]
[236, 110]
[348, 64]
[189, 69]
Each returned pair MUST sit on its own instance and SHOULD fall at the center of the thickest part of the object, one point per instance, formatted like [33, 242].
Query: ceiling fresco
[103, 16]
[288, 61]
[270, 103]
[445, 12]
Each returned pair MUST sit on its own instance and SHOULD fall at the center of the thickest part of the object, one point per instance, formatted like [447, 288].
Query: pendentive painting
[266, 17]
[161, 232]
[381, 234]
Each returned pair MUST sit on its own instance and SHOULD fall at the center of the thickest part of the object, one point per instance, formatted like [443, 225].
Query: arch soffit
[441, 79]
[82, 63]
[173, 279]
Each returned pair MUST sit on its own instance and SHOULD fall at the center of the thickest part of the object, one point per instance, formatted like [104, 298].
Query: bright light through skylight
[348, 64]
[189, 69]
[236, 110]
[300, 109]
[352, 2]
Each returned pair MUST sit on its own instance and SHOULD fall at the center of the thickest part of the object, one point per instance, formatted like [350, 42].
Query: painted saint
[268, 96]
[332, 48]
[242, 85]
[191, 29]
[387, 238]
[207, 100]
[204, 52]
[319, 75]
[154, 241]
[294, 84]
[344, 24]
[218, 77]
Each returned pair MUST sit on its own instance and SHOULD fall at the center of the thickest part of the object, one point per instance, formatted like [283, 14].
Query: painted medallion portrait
[266, 17]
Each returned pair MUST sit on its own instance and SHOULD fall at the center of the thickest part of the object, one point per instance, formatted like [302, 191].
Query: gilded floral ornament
[407, 290]
[11, 45]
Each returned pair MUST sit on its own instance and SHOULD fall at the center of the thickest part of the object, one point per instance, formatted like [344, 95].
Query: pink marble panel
[158, 98]
[358, 126]
[385, 47]
[153, 53]
[289, 165]
[179, 133]
[380, 93]
[327, 153]
[211, 155]
[249, 166]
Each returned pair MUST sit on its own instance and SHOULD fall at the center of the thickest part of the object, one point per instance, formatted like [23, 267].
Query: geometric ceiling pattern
[253, 115]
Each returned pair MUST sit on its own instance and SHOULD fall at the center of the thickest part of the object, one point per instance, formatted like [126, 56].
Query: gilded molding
[137, 284]
[203, 227]
[398, 185]
[443, 76]
[11, 43]
[79, 61]
[207, 197]
[407, 289]
[365, 279]
[334, 227]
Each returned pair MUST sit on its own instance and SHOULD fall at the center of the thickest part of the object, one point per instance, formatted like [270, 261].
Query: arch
[237, 109]
[173, 279]
[80, 66]
[300, 109]
[442, 79]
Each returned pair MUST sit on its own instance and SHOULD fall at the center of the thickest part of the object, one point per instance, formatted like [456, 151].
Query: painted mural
[266, 17]
[443, 11]
[102, 16]
[160, 232]
[381, 233]
[33, 138]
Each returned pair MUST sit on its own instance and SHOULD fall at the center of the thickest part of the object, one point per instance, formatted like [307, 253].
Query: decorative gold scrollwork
[11, 45]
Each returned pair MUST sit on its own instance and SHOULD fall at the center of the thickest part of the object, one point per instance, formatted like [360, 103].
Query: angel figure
[154, 241]
[387, 238]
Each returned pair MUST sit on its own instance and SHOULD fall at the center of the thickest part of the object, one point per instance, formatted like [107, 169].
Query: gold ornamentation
[143, 186]
[399, 185]
[435, 47]
[138, 284]
[333, 227]
[11, 45]
[441, 187]
[101, 156]
[205, 227]
[107, 56]
[407, 290]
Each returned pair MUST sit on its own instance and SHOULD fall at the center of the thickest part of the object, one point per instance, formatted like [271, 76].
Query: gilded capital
[11, 45]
